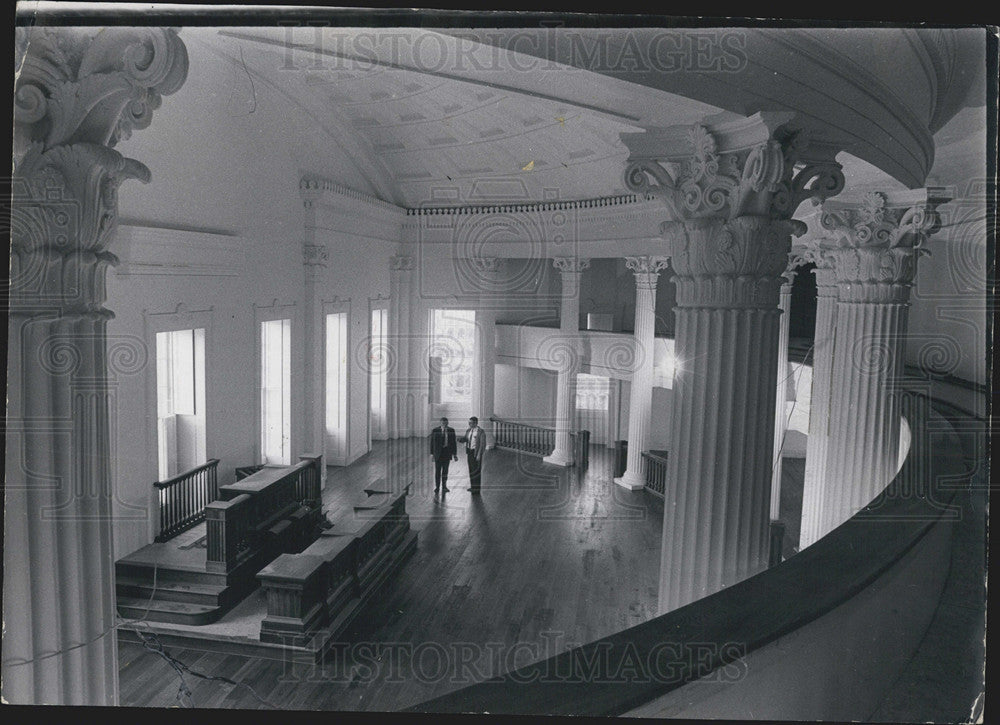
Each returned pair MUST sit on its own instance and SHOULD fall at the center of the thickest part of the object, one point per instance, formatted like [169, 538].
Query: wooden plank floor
[543, 560]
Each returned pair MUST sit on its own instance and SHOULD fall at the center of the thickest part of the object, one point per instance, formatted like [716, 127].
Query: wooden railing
[246, 471]
[523, 437]
[238, 523]
[308, 478]
[656, 472]
[230, 532]
[536, 440]
[184, 497]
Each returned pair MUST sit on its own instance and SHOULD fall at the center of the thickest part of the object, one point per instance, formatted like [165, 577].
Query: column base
[631, 482]
[558, 458]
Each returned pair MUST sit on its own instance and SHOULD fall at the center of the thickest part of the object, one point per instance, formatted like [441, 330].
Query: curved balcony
[863, 596]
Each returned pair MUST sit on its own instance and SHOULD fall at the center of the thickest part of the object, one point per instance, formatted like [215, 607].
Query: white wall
[219, 229]
[525, 394]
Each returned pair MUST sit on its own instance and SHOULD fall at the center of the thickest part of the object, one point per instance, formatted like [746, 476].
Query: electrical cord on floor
[151, 643]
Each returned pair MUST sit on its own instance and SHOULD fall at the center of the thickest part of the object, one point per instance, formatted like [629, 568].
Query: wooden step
[173, 612]
[142, 571]
[171, 591]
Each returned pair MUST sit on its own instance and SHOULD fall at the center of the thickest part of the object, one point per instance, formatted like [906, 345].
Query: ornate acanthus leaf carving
[874, 223]
[875, 242]
[65, 210]
[812, 251]
[647, 268]
[487, 265]
[401, 263]
[571, 265]
[92, 85]
[315, 255]
[729, 262]
[768, 178]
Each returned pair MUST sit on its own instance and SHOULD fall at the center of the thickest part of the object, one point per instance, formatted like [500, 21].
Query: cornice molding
[530, 207]
[312, 188]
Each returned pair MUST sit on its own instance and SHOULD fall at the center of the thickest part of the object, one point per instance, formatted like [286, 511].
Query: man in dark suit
[443, 450]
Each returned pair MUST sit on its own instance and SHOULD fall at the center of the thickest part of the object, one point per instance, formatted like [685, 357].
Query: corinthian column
[78, 92]
[402, 403]
[819, 398]
[647, 272]
[568, 357]
[781, 394]
[314, 259]
[877, 243]
[730, 189]
[486, 273]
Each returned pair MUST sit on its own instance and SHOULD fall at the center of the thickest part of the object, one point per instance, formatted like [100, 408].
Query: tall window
[336, 385]
[452, 354]
[378, 362]
[180, 400]
[275, 392]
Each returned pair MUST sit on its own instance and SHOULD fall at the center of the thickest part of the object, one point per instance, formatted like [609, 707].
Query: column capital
[484, 273]
[315, 255]
[876, 241]
[647, 269]
[78, 92]
[759, 165]
[728, 263]
[401, 263]
[571, 265]
[812, 250]
[92, 85]
[488, 264]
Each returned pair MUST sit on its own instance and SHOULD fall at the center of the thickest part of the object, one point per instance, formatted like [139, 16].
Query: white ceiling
[460, 135]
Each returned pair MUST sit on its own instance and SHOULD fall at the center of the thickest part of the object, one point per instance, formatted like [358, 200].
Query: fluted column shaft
[717, 502]
[781, 396]
[569, 326]
[874, 259]
[314, 259]
[819, 410]
[401, 403]
[487, 273]
[79, 91]
[863, 443]
[646, 271]
[730, 188]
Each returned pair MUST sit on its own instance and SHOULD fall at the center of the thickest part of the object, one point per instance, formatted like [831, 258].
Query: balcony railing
[656, 471]
[184, 497]
[537, 441]
[846, 578]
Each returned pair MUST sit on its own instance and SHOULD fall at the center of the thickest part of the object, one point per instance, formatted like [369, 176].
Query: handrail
[265, 497]
[183, 498]
[669, 650]
[536, 440]
[211, 462]
[656, 473]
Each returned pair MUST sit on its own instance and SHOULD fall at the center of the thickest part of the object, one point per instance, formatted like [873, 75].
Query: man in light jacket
[475, 445]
